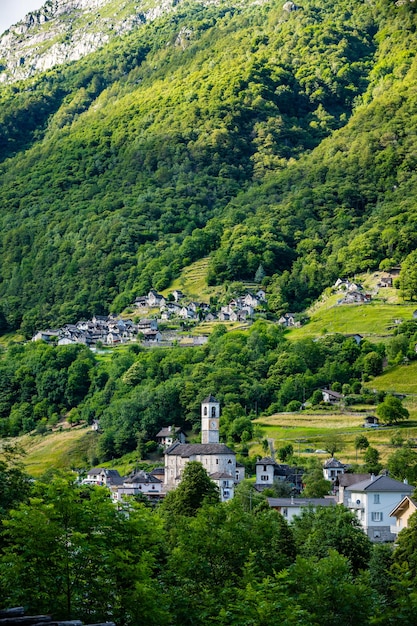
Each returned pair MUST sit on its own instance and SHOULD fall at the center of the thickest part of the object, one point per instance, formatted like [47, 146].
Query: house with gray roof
[269, 473]
[373, 501]
[346, 480]
[332, 469]
[103, 476]
[291, 507]
[169, 434]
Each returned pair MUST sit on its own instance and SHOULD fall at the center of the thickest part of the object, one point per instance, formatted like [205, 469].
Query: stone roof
[112, 475]
[267, 460]
[142, 477]
[221, 476]
[345, 480]
[332, 394]
[210, 399]
[158, 471]
[296, 502]
[169, 430]
[334, 463]
[190, 449]
[381, 483]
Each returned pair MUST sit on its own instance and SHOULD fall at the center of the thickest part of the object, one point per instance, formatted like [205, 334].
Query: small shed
[371, 421]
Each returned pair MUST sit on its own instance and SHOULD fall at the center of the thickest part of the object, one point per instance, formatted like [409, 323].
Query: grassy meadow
[61, 449]
[399, 379]
[373, 320]
[307, 433]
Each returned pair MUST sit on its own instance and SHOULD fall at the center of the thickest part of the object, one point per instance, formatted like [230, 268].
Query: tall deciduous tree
[332, 528]
[194, 489]
[408, 277]
[391, 410]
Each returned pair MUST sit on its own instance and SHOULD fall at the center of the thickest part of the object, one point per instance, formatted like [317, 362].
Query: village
[382, 505]
[161, 314]
[114, 330]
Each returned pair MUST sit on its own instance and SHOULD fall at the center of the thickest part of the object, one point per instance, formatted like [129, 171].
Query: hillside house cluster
[109, 330]
[137, 482]
[288, 320]
[354, 292]
[382, 505]
[237, 310]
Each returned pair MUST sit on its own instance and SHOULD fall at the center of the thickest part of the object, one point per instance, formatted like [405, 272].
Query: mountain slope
[258, 134]
[67, 30]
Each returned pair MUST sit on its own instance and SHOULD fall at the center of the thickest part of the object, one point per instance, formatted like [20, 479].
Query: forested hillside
[252, 133]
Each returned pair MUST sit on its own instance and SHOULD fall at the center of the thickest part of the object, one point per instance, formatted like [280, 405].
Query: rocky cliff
[66, 30]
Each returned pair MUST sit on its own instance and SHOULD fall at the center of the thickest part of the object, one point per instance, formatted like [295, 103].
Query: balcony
[357, 505]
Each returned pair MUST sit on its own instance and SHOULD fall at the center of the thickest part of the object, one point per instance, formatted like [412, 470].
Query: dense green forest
[134, 392]
[249, 133]
[66, 550]
[254, 135]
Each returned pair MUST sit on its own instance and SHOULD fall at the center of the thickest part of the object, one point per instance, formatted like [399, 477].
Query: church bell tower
[210, 418]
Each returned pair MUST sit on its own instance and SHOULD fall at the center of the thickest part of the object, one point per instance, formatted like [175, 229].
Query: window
[217, 461]
[229, 461]
[376, 498]
[213, 411]
[205, 410]
[263, 477]
[285, 512]
[264, 468]
[376, 516]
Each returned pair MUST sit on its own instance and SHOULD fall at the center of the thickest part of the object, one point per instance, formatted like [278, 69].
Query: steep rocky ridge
[67, 30]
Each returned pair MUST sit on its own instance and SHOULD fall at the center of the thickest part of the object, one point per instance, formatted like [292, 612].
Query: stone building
[218, 460]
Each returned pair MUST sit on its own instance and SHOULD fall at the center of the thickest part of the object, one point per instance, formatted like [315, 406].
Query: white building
[139, 482]
[290, 507]
[103, 476]
[373, 501]
[210, 420]
[218, 460]
[168, 435]
[333, 469]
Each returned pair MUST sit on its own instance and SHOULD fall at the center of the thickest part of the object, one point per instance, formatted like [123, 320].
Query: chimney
[405, 481]
[372, 477]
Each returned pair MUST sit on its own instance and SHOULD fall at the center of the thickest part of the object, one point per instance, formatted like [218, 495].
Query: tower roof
[210, 399]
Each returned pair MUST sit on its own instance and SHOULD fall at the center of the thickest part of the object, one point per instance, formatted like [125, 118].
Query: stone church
[218, 460]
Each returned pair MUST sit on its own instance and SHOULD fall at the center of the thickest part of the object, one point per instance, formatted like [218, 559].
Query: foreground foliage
[67, 550]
